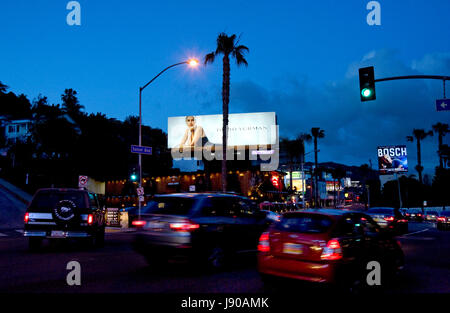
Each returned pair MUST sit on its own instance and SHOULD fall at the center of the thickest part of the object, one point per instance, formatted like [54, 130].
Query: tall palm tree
[420, 135]
[316, 132]
[441, 130]
[226, 45]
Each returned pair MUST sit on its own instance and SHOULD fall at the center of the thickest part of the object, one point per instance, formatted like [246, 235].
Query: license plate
[57, 234]
[292, 248]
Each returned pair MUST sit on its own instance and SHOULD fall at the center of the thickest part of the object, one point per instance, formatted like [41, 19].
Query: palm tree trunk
[225, 101]
[419, 161]
[316, 192]
[441, 165]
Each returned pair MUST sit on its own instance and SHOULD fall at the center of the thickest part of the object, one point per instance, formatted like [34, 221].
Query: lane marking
[417, 232]
[3, 235]
[19, 231]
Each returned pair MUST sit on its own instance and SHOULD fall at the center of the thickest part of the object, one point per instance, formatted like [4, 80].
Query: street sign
[140, 191]
[141, 198]
[443, 105]
[82, 181]
[192, 188]
[141, 149]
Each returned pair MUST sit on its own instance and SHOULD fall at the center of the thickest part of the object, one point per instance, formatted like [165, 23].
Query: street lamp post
[303, 177]
[190, 62]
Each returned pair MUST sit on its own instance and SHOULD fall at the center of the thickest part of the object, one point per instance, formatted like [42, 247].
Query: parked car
[56, 213]
[415, 215]
[431, 216]
[327, 247]
[389, 218]
[443, 220]
[207, 228]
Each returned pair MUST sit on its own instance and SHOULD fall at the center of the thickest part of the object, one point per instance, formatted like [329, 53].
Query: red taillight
[26, 218]
[264, 245]
[90, 219]
[403, 221]
[138, 223]
[389, 218]
[441, 219]
[185, 226]
[332, 251]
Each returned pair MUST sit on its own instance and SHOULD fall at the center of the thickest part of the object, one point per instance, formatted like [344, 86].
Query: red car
[327, 246]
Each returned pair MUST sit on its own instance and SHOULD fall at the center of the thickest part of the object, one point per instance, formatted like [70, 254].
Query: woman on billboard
[194, 136]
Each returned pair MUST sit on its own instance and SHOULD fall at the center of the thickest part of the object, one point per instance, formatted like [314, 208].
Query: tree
[3, 88]
[226, 45]
[316, 133]
[70, 103]
[441, 130]
[420, 135]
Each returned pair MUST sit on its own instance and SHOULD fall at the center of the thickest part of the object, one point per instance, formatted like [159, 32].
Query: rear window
[45, 201]
[169, 206]
[305, 223]
[381, 211]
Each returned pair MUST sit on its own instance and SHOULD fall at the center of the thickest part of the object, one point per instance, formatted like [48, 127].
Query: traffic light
[367, 84]
[133, 175]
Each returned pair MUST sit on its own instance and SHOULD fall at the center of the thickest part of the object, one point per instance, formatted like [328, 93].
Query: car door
[250, 223]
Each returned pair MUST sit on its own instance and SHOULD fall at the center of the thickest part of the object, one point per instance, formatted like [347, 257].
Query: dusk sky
[303, 64]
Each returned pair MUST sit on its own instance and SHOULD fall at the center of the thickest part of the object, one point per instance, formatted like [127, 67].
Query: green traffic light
[366, 92]
[133, 177]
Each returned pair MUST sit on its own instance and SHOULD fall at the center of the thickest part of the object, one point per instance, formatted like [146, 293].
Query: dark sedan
[389, 218]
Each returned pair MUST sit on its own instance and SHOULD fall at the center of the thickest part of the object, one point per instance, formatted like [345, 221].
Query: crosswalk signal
[367, 84]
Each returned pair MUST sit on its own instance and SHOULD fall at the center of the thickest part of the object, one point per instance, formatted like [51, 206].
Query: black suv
[206, 227]
[64, 213]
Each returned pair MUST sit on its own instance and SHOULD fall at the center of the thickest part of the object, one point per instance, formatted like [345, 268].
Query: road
[116, 268]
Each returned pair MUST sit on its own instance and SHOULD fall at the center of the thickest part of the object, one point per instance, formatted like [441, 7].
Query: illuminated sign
[392, 159]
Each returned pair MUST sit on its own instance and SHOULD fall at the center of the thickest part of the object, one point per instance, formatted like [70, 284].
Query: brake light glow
[90, 219]
[332, 251]
[442, 219]
[186, 226]
[264, 245]
[389, 218]
[26, 218]
[138, 223]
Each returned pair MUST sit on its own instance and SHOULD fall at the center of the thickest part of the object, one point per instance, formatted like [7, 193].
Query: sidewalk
[16, 192]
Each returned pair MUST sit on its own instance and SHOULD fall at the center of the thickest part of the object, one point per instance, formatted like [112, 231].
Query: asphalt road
[117, 268]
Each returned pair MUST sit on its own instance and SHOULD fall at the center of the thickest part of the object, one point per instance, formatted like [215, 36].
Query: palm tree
[226, 45]
[441, 130]
[419, 134]
[316, 132]
[70, 103]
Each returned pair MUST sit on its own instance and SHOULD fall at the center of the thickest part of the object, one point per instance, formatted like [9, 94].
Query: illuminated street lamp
[192, 62]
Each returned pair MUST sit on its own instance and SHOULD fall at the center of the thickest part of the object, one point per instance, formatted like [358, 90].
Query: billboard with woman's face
[243, 130]
[392, 159]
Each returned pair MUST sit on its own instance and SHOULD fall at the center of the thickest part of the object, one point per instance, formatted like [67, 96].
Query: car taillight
[441, 219]
[403, 221]
[26, 218]
[185, 226]
[332, 251]
[264, 245]
[90, 219]
[389, 218]
[138, 223]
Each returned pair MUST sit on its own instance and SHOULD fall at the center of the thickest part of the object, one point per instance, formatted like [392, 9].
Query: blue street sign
[443, 105]
[141, 149]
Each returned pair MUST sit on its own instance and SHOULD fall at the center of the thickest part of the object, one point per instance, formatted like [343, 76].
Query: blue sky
[303, 62]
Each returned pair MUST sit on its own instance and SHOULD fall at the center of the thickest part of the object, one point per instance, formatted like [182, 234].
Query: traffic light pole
[439, 77]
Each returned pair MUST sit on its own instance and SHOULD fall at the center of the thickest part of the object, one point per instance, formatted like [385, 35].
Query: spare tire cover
[64, 211]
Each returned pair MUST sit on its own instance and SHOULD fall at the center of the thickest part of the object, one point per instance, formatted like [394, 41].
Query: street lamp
[192, 63]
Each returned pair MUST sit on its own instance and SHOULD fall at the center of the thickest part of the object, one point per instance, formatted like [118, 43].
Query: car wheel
[34, 243]
[216, 258]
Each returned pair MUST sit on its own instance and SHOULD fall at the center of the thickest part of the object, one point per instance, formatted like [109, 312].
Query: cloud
[353, 128]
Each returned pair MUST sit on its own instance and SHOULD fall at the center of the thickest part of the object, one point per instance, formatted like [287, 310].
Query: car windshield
[381, 211]
[305, 223]
[46, 200]
[169, 206]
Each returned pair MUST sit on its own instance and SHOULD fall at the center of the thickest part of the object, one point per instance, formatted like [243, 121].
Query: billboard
[244, 129]
[392, 159]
